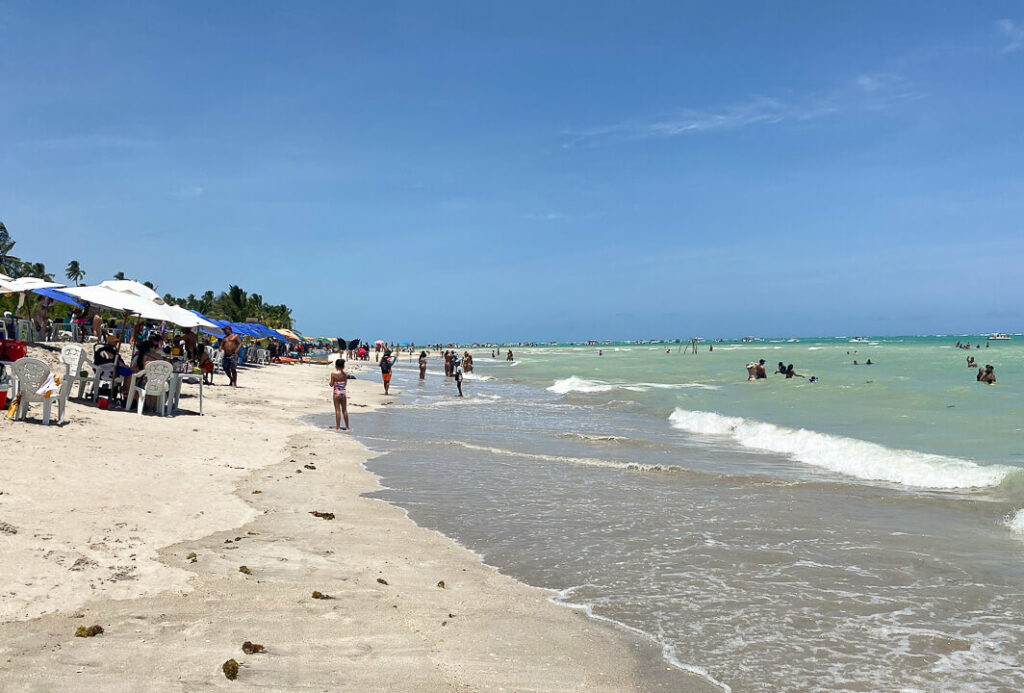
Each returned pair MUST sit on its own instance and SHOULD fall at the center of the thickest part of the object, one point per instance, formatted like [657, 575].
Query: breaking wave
[1016, 522]
[849, 456]
[576, 384]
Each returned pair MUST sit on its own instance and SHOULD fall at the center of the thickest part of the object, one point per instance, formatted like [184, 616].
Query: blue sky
[531, 170]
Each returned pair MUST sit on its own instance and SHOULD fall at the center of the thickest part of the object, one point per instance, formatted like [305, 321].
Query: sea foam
[576, 384]
[1016, 522]
[849, 456]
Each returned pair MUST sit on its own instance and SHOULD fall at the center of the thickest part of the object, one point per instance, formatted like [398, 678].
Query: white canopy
[24, 284]
[130, 286]
[141, 300]
[186, 318]
[118, 300]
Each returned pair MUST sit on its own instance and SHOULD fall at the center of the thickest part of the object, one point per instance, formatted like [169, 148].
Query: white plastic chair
[158, 378]
[73, 358]
[30, 374]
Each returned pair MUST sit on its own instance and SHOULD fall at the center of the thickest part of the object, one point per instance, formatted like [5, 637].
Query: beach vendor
[386, 363]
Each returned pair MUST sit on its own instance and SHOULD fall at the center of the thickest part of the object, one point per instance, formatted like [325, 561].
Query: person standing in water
[423, 365]
[510, 357]
[458, 376]
[387, 361]
[339, 388]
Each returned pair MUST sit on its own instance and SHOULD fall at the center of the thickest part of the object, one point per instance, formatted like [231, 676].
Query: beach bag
[12, 350]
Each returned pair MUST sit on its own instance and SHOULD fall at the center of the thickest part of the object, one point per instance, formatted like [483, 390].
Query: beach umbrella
[380, 342]
[187, 318]
[122, 301]
[130, 286]
[23, 285]
[59, 296]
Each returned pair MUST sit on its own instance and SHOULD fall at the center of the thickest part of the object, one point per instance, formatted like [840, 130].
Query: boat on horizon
[999, 337]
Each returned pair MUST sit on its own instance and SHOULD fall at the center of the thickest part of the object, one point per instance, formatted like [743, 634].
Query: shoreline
[170, 622]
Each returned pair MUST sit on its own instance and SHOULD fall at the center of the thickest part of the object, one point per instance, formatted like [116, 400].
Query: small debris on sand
[252, 648]
[230, 669]
[90, 632]
[320, 595]
[441, 584]
[325, 516]
[192, 558]
[244, 569]
[257, 491]
[382, 581]
[7, 528]
[308, 466]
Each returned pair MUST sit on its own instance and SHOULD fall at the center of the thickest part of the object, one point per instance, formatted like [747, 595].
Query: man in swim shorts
[230, 345]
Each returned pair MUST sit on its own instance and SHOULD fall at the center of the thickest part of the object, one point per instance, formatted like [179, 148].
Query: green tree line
[235, 304]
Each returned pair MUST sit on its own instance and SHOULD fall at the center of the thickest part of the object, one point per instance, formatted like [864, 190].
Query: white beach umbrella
[24, 284]
[130, 286]
[121, 301]
[186, 318]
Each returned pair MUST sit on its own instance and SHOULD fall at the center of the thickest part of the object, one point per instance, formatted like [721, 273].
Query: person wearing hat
[386, 363]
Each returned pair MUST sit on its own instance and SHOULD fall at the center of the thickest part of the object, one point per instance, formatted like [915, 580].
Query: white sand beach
[99, 517]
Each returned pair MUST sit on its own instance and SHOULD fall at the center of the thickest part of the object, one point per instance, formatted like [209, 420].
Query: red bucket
[3, 399]
[103, 403]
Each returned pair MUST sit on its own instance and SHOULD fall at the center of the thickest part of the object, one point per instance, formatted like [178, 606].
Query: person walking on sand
[230, 344]
[423, 365]
[386, 363]
[339, 389]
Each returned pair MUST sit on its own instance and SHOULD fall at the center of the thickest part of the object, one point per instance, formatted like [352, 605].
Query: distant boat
[792, 341]
[859, 340]
[998, 337]
[747, 340]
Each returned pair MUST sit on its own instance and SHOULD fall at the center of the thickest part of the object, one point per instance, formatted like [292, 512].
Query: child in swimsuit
[339, 387]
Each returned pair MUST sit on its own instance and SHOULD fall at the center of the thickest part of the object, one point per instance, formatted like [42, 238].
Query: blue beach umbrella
[59, 296]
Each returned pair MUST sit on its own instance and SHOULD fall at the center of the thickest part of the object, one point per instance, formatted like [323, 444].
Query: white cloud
[1013, 32]
[867, 92]
[189, 191]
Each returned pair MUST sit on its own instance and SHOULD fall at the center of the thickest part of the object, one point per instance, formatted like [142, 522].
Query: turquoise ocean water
[863, 532]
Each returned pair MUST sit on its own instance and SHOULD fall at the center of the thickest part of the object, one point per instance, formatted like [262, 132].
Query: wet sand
[101, 515]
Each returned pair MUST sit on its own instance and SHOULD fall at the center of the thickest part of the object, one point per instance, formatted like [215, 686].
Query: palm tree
[234, 304]
[74, 272]
[37, 269]
[8, 263]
